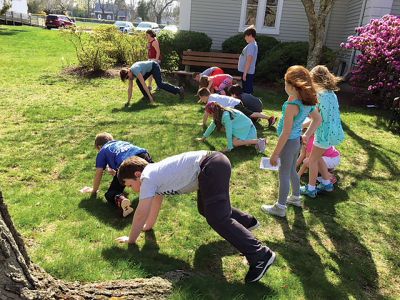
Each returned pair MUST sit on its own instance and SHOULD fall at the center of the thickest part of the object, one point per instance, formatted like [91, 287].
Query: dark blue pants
[248, 84]
[116, 188]
[214, 204]
[156, 73]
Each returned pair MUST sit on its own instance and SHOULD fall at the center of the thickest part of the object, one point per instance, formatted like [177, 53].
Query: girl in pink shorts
[329, 161]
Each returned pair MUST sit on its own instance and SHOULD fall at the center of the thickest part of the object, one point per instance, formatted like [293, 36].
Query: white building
[17, 6]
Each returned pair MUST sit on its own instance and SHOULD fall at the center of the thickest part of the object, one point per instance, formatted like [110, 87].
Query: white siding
[396, 8]
[294, 23]
[219, 19]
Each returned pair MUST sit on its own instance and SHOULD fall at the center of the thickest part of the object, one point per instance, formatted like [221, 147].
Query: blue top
[239, 127]
[330, 133]
[304, 111]
[250, 49]
[114, 153]
[142, 67]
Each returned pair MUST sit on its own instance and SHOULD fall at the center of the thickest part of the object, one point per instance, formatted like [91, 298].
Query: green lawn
[342, 245]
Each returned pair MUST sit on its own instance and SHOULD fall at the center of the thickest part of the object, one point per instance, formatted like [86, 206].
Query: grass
[342, 245]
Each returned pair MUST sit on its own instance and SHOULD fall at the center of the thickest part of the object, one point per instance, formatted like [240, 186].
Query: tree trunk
[317, 26]
[21, 279]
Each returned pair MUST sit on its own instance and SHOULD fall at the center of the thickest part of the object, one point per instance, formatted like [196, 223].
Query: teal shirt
[142, 67]
[330, 132]
[304, 111]
[239, 127]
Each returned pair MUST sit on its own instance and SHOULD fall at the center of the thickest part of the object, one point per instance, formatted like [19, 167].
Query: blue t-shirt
[250, 49]
[304, 111]
[114, 153]
[142, 67]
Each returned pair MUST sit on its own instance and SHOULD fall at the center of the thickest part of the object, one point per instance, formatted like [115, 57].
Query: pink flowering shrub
[378, 57]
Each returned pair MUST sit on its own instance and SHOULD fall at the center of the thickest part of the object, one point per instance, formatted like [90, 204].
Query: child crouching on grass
[231, 102]
[239, 129]
[329, 161]
[111, 155]
[300, 104]
[216, 84]
[209, 174]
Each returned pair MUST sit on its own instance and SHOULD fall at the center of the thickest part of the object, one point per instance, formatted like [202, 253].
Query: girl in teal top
[239, 129]
[329, 134]
[302, 98]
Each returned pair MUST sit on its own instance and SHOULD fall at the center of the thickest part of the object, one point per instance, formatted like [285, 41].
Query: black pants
[116, 188]
[214, 204]
[156, 73]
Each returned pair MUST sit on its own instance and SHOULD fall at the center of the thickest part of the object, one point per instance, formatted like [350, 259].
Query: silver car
[144, 26]
[124, 26]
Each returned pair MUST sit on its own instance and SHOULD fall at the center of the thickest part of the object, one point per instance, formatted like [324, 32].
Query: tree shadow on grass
[6, 31]
[149, 258]
[209, 282]
[353, 262]
[375, 152]
[107, 213]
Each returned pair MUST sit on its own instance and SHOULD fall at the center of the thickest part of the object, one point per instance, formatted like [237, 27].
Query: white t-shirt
[225, 101]
[173, 175]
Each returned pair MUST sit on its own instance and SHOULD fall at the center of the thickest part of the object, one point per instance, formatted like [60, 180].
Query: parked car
[57, 21]
[172, 28]
[143, 26]
[125, 27]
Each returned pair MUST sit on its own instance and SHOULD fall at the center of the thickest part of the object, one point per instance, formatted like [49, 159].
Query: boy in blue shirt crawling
[111, 155]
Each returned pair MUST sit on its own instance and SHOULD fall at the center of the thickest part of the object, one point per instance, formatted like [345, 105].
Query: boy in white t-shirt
[208, 173]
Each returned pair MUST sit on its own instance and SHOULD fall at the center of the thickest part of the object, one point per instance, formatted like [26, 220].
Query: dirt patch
[80, 72]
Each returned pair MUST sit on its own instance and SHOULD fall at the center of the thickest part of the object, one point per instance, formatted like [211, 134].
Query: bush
[196, 41]
[172, 46]
[273, 67]
[106, 46]
[169, 57]
[236, 43]
[378, 64]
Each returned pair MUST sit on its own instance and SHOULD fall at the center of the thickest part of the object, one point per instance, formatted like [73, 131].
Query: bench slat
[211, 59]
[211, 54]
[209, 64]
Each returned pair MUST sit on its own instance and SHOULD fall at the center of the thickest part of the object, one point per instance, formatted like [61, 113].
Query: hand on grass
[86, 190]
[202, 139]
[122, 240]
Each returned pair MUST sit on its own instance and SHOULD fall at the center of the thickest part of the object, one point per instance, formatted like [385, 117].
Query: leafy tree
[143, 10]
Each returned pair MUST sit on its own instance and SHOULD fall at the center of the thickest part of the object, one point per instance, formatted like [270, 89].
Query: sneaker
[259, 268]
[254, 224]
[124, 204]
[305, 191]
[181, 93]
[274, 210]
[325, 187]
[294, 200]
[261, 145]
[271, 121]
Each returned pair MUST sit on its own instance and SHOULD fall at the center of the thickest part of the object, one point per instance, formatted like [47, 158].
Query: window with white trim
[265, 15]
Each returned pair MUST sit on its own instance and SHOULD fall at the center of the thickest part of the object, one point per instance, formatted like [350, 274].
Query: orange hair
[299, 77]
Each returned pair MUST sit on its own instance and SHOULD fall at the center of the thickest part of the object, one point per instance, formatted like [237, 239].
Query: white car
[172, 28]
[125, 27]
[144, 26]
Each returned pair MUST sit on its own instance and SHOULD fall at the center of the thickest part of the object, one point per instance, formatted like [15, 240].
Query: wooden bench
[225, 61]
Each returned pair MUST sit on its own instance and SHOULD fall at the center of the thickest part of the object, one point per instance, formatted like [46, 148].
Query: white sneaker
[294, 200]
[126, 207]
[274, 210]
